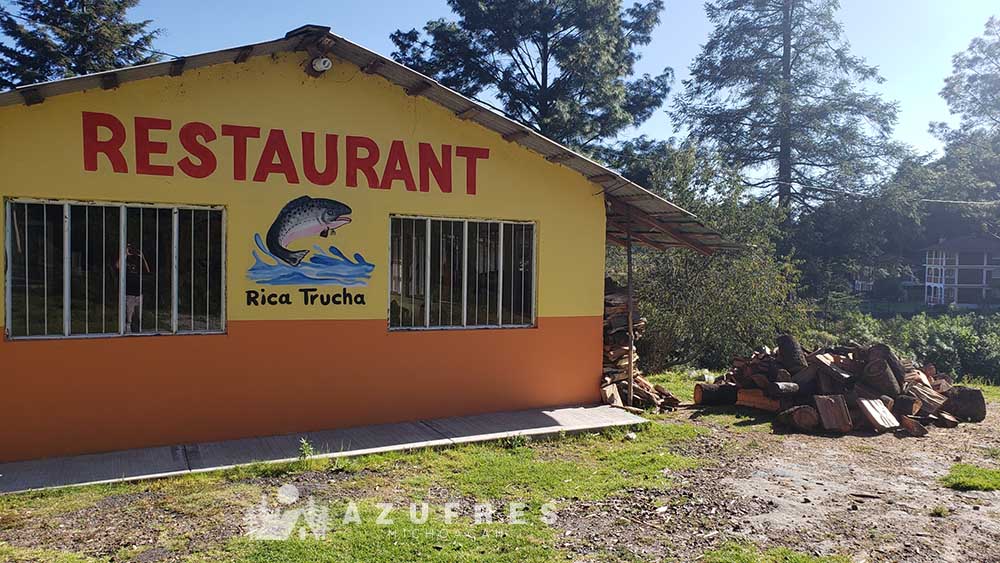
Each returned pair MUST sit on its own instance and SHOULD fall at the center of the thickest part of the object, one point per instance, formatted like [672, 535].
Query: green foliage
[10, 553]
[967, 345]
[562, 67]
[734, 552]
[51, 39]
[973, 89]
[965, 477]
[776, 89]
[706, 309]
[306, 449]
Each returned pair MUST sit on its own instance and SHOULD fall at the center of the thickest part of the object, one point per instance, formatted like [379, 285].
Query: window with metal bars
[457, 273]
[79, 269]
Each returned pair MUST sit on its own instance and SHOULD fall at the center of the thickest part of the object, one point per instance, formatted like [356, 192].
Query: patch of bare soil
[867, 497]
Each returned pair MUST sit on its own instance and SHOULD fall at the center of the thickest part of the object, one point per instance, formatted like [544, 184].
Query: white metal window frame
[465, 271]
[123, 207]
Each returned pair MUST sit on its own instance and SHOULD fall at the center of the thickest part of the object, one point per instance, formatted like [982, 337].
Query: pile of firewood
[843, 389]
[614, 384]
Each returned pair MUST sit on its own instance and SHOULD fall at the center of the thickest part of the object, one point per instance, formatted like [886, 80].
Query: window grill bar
[45, 268]
[104, 269]
[465, 272]
[427, 273]
[122, 231]
[86, 269]
[27, 305]
[142, 262]
[208, 267]
[174, 264]
[8, 256]
[66, 270]
[500, 274]
[222, 270]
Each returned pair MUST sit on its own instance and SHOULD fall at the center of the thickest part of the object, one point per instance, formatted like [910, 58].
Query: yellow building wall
[41, 151]
[292, 368]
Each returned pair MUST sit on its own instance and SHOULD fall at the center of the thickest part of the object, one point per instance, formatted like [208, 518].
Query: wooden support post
[631, 328]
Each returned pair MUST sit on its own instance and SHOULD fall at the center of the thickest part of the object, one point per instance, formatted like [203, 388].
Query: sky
[911, 41]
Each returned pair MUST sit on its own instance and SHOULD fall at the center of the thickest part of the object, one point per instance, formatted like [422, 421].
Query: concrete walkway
[149, 463]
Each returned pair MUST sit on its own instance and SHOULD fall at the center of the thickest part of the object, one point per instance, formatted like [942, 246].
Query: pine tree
[559, 66]
[51, 39]
[778, 92]
[973, 89]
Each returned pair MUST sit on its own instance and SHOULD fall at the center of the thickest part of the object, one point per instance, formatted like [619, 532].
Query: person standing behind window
[135, 265]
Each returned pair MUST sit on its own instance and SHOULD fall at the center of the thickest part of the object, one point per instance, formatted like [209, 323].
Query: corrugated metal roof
[654, 221]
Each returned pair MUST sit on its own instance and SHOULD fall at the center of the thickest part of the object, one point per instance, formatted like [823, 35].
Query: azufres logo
[283, 520]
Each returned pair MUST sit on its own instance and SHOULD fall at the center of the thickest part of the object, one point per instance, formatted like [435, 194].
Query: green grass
[940, 512]
[459, 541]
[15, 554]
[680, 383]
[965, 477]
[591, 466]
[744, 553]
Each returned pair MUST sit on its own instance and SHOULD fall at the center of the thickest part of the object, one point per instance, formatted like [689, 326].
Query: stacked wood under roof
[845, 388]
[615, 373]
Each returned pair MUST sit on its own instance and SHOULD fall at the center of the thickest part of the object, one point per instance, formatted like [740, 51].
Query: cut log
[906, 405]
[883, 352]
[668, 398]
[833, 380]
[879, 376]
[917, 377]
[760, 380]
[806, 376]
[833, 413]
[966, 403]
[943, 419]
[941, 386]
[715, 395]
[756, 399]
[783, 376]
[802, 418]
[782, 389]
[877, 415]
[790, 351]
[912, 427]
[931, 401]
[609, 393]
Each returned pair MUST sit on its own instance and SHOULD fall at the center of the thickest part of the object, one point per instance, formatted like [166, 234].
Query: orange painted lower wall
[61, 397]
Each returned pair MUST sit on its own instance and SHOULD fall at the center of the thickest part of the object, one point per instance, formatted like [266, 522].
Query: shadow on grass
[735, 417]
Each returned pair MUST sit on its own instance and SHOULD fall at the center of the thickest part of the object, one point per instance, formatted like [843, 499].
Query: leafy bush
[966, 345]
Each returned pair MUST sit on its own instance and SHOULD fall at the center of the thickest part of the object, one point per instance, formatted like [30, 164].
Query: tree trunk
[879, 376]
[966, 403]
[802, 418]
[790, 352]
[785, 115]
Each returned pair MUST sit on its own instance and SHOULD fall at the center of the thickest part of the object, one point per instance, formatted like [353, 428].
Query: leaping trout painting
[303, 218]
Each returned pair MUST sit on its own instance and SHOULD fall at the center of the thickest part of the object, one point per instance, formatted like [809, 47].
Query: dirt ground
[864, 496]
[867, 497]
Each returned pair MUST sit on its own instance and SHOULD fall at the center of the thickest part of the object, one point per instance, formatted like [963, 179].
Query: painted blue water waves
[321, 267]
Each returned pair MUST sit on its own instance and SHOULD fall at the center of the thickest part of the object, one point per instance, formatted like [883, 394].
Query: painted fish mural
[278, 262]
[301, 218]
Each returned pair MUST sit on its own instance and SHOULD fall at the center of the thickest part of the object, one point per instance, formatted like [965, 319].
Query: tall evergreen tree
[561, 66]
[51, 39]
[973, 89]
[778, 92]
